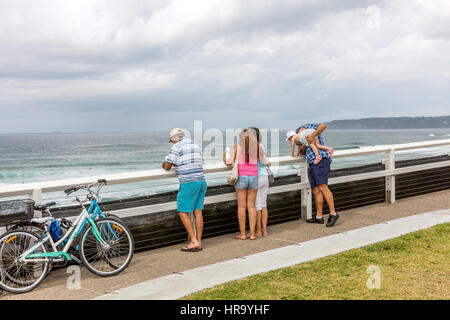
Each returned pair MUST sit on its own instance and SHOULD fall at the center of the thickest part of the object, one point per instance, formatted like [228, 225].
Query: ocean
[26, 158]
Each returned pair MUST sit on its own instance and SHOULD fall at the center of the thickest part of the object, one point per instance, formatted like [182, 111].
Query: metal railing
[35, 190]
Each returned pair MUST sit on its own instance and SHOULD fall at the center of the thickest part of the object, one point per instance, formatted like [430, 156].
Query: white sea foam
[72, 156]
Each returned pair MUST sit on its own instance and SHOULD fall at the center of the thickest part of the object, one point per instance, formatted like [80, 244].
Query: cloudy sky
[135, 65]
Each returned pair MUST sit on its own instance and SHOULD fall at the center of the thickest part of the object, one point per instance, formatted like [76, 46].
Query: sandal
[240, 238]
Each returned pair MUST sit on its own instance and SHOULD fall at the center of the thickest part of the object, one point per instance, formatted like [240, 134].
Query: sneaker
[332, 219]
[315, 220]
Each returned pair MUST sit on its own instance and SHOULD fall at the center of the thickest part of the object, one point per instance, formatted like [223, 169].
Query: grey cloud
[223, 61]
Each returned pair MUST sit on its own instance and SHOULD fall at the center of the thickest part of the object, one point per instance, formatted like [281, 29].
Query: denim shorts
[318, 173]
[247, 182]
[191, 196]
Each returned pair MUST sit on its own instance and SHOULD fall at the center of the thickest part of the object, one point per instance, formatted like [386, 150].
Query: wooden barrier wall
[164, 228]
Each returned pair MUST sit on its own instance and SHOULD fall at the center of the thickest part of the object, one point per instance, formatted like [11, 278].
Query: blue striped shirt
[309, 153]
[186, 157]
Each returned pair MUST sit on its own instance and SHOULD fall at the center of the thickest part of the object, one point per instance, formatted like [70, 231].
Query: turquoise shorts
[191, 196]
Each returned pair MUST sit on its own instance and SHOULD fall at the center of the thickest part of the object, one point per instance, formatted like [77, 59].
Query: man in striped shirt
[186, 157]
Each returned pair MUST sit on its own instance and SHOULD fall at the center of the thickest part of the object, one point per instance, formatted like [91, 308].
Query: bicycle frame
[86, 216]
[94, 210]
[73, 232]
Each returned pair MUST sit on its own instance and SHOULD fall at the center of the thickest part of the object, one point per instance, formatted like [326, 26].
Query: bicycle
[95, 210]
[106, 246]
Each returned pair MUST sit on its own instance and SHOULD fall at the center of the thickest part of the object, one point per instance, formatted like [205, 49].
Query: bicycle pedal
[75, 258]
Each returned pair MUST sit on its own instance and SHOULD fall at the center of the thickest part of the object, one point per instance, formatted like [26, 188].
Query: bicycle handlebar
[70, 190]
[86, 186]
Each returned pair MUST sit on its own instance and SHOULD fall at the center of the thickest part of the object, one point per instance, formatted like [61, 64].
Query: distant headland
[441, 122]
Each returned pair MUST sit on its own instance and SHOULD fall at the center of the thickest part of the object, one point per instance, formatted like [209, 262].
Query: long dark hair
[257, 133]
[244, 142]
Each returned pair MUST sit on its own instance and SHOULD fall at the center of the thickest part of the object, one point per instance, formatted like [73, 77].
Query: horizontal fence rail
[35, 190]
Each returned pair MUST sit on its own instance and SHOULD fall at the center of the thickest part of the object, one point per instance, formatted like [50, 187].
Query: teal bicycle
[105, 247]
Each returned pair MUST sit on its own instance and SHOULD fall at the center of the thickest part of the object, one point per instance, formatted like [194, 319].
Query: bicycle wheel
[20, 277]
[113, 258]
[28, 226]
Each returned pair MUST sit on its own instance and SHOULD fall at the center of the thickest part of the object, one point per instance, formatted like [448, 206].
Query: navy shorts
[318, 173]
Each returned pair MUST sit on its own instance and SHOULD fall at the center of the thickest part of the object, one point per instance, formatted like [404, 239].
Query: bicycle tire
[11, 282]
[24, 226]
[36, 229]
[121, 245]
[7, 276]
[32, 227]
[76, 242]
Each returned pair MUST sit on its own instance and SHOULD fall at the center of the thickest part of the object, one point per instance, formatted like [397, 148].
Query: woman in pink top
[248, 152]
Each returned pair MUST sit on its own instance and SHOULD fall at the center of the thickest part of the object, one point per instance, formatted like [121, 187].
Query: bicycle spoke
[114, 254]
[20, 276]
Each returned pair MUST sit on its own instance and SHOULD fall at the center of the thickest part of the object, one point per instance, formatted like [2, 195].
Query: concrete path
[177, 286]
[170, 260]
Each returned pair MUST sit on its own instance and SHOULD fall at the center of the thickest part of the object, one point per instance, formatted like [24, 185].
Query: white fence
[35, 190]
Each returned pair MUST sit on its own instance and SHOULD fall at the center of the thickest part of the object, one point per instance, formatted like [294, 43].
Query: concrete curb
[177, 286]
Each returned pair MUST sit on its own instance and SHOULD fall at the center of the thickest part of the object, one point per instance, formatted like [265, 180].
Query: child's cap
[290, 134]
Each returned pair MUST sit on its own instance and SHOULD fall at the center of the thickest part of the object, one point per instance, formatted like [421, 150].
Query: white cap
[290, 134]
[175, 132]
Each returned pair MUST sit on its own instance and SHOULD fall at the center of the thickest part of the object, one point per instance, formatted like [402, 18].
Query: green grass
[413, 266]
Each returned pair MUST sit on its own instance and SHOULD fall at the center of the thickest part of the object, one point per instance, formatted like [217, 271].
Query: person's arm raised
[232, 158]
[292, 147]
[320, 128]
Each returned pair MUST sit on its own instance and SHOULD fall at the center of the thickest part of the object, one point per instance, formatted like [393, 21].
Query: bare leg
[242, 207]
[264, 218]
[328, 195]
[187, 223]
[199, 226]
[251, 197]
[322, 147]
[313, 146]
[316, 152]
[318, 198]
[258, 223]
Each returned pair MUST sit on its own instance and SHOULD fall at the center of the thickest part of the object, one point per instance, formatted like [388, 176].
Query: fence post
[306, 194]
[390, 180]
[36, 195]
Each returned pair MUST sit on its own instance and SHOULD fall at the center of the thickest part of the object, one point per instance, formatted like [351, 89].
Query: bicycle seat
[43, 207]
